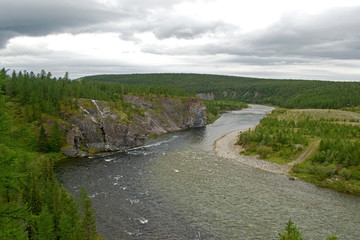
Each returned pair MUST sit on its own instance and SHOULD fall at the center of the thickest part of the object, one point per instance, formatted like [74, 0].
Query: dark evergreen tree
[55, 141]
[88, 225]
[67, 230]
[46, 225]
[43, 143]
[12, 222]
[66, 76]
[291, 232]
[88, 221]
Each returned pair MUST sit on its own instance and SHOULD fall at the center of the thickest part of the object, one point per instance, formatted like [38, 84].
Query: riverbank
[225, 147]
[314, 145]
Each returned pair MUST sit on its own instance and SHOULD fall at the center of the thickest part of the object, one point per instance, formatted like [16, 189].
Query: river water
[174, 187]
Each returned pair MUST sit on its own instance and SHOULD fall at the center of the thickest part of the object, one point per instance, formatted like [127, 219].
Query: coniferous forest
[32, 203]
[282, 93]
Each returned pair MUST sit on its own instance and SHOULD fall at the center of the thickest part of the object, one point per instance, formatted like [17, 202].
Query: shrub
[292, 232]
[264, 151]
[345, 173]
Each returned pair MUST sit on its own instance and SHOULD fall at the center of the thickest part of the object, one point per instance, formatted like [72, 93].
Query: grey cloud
[41, 17]
[186, 28]
[333, 34]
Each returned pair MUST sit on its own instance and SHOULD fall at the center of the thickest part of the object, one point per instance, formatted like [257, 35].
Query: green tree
[46, 225]
[332, 237]
[11, 222]
[88, 224]
[69, 223]
[55, 141]
[67, 229]
[34, 200]
[66, 76]
[291, 232]
[43, 143]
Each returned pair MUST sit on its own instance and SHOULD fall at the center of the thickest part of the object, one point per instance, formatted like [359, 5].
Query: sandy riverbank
[225, 147]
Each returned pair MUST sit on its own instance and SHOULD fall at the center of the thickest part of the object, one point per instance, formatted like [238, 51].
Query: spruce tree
[66, 227]
[43, 143]
[88, 222]
[292, 232]
[55, 138]
[46, 225]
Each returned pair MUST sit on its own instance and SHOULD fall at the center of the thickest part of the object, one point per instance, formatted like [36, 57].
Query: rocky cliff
[105, 126]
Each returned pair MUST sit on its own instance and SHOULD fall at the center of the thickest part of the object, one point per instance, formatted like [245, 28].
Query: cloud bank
[109, 36]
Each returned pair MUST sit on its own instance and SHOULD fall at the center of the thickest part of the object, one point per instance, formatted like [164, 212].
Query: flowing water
[174, 187]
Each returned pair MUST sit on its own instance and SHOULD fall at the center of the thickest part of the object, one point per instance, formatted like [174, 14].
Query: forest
[33, 205]
[283, 93]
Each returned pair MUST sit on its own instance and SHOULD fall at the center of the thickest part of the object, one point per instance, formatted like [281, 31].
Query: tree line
[283, 93]
[42, 93]
[215, 108]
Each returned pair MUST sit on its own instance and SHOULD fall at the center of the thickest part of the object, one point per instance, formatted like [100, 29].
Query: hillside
[284, 93]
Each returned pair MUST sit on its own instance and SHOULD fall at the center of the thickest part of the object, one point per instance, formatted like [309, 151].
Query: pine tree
[34, 201]
[88, 222]
[11, 222]
[46, 225]
[292, 232]
[55, 142]
[66, 227]
[66, 76]
[69, 223]
[43, 143]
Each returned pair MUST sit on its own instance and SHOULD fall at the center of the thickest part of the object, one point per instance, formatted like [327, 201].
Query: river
[174, 187]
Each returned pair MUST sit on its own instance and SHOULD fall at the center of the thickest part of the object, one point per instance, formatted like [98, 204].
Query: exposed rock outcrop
[102, 126]
[230, 95]
[206, 96]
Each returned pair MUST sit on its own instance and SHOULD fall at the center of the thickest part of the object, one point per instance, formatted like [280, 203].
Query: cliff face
[103, 126]
[206, 96]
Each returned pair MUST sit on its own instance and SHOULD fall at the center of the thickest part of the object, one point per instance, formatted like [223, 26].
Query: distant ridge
[285, 92]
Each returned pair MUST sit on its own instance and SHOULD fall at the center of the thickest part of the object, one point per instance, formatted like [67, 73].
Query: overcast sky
[317, 39]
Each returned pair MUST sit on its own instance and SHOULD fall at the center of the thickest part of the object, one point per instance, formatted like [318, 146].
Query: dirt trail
[306, 154]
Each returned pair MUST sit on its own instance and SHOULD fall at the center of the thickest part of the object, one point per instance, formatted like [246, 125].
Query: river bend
[174, 187]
